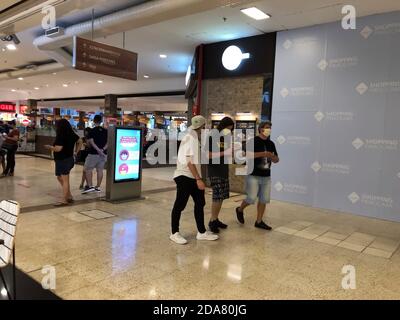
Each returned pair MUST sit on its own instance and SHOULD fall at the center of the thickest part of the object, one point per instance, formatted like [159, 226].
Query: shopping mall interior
[322, 75]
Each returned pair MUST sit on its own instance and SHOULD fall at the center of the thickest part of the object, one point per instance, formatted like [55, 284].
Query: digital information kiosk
[124, 173]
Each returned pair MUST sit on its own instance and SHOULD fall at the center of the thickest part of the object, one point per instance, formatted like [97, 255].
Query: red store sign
[7, 108]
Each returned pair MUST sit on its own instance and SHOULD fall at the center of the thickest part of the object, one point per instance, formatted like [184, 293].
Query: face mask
[266, 132]
[226, 132]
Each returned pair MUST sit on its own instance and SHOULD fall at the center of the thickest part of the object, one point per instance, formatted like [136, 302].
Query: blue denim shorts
[258, 187]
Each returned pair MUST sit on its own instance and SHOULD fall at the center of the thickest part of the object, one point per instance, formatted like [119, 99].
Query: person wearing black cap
[220, 155]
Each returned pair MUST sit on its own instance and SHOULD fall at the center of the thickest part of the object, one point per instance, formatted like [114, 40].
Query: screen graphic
[127, 154]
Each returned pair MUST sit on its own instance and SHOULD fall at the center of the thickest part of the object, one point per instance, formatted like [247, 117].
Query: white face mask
[226, 131]
[266, 132]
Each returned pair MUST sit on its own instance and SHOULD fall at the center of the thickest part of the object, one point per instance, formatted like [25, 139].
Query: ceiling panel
[177, 38]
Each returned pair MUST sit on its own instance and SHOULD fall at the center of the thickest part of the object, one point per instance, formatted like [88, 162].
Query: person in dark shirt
[11, 145]
[3, 152]
[2, 127]
[258, 182]
[220, 154]
[65, 147]
[96, 159]
[82, 155]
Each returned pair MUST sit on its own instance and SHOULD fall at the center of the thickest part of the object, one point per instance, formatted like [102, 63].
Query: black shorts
[64, 167]
[220, 188]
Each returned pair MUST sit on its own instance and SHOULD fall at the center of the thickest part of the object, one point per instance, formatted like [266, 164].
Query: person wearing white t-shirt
[189, 183]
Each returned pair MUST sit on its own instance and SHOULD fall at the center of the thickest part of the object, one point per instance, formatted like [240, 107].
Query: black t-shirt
[99, 136]
[262, 166]
[68, 144]
[220, 168]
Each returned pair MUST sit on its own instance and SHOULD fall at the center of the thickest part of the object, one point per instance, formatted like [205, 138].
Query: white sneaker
[207, 236]
[177, 238]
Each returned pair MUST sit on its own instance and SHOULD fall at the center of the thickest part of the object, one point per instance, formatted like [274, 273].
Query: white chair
[9, 211]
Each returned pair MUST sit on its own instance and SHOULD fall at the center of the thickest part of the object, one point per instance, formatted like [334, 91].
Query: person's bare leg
[260, 211]
[66, 191]
[60, 180]
[89, 177]
[83, 178]
[215, 209]
[69, 189]
[243, 206]
[3, 163]
[99, 177]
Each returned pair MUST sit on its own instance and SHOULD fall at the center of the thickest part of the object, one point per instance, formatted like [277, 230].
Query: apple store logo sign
[232, 57]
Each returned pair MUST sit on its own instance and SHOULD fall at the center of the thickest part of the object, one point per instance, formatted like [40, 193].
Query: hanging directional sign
[99, 58]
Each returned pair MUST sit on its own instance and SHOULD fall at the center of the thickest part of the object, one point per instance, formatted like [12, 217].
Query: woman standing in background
[65, 148]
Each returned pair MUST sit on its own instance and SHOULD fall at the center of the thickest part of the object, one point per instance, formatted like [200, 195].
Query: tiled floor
[360, 242]
[122, 251]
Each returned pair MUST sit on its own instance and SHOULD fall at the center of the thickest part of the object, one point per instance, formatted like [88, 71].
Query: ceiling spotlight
[11, 47]
[163, 56]
[13, 90]
[146, 76]
[36, 88]
[20, 78]
[54, 73]
[255, 13]
[65, 85]
[3, 49]
[99, 81]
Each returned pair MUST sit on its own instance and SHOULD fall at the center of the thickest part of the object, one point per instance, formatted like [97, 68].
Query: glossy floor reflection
[123, 251]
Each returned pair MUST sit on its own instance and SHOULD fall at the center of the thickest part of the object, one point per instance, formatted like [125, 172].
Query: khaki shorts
[95, 161]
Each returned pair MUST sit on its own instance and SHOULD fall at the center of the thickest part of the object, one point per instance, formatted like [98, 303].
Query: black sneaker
[213, 226]
[88, 189]
[221, 224]
[239, 215]
[262, 225]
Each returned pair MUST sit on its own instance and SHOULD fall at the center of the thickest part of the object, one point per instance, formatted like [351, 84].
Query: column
[81, 122]
[111, 105]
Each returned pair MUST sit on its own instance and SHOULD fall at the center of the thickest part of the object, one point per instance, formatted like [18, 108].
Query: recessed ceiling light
[255, 13]
[163, 56]
[54, 73]
[11, 47]
[99, 81]
[36, 88]
[146, 76]
[65, 85]
[20, 78]
[3, 49]
[13, 90]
